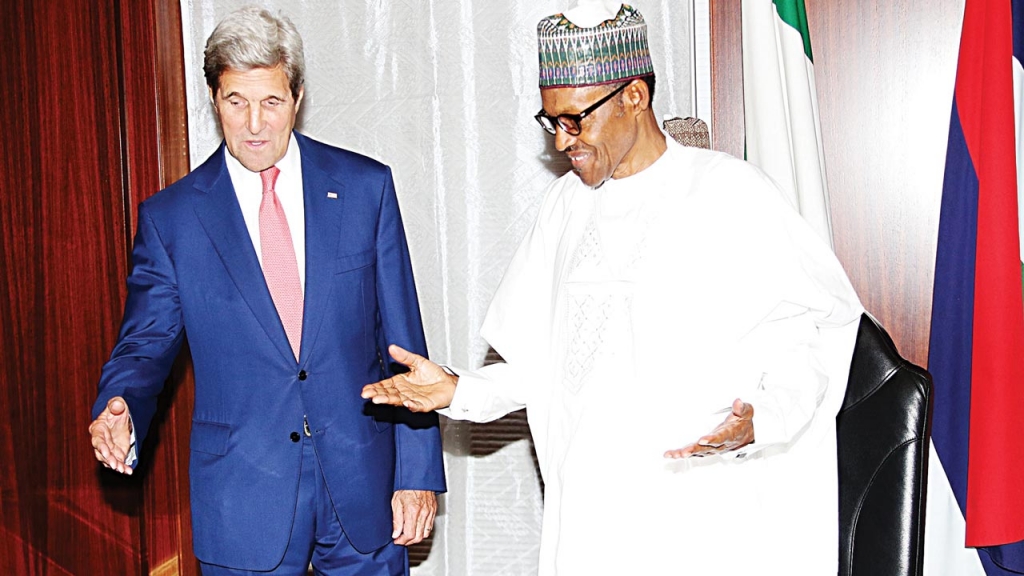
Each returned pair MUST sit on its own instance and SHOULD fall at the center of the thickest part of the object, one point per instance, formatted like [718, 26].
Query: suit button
[295, 436]
[302, 374]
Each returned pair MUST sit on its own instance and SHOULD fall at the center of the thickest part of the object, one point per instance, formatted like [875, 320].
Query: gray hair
[252, 37]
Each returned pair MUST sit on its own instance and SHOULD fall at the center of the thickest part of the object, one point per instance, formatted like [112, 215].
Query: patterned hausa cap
[612, 51]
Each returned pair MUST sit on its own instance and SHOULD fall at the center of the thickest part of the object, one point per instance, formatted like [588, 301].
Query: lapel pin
[332, 195]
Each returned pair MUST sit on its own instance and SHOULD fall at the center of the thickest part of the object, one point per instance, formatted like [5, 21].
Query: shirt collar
[244, 179]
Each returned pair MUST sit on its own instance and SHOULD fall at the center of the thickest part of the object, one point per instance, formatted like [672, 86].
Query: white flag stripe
[1018, 102]
[783, 134]
[945, 528]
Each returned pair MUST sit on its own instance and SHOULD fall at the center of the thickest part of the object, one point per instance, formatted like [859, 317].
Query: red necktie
[279, 266]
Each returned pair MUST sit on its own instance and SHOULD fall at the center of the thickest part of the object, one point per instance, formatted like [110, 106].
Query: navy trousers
[318, 538]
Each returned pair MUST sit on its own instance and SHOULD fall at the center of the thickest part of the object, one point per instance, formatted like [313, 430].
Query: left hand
[736, 431]
[425, 387]
[413, 515]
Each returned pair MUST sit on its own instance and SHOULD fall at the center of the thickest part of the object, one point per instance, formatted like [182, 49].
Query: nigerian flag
[783, 136]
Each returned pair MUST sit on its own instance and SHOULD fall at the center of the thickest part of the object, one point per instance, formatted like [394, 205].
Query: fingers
[413, 516]
[406, 524]
[404, 357]
[371, 391]
[741, 411]
[106, 450]
[727, 436]
[397, 391]
[698, 449]
[421, 369]
[428, 524]
[695, 450]
[101, 447]
[684, 452]
[421, 528]
[111, 456]
[386, 392]
[116, 406]
[397, 517]
[383, 392]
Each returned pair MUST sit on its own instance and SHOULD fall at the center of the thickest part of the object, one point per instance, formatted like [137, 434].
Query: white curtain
[444, 91]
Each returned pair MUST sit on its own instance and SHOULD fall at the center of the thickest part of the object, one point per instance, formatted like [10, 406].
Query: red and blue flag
[976, 354]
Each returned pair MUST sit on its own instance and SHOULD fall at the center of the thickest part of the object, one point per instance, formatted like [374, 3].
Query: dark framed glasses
[570, 123]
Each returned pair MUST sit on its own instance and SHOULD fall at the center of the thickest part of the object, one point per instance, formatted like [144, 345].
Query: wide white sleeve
[792, 383]
[798, 350]
[803, 372]
[487, 394]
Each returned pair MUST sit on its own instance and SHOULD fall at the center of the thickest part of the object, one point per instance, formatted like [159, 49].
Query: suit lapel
[217, 209]
[324, 202]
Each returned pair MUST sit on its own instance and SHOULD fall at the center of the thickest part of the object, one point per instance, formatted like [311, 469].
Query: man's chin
[589, 179]
[254, 164]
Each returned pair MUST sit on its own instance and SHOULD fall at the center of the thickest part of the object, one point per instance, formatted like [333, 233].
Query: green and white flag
[783, 135]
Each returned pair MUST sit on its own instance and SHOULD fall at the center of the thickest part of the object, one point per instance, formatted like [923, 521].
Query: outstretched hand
[111, 434]
[425, 387]
[736, 431]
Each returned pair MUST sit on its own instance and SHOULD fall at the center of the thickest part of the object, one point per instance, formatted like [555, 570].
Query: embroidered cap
[612, 51]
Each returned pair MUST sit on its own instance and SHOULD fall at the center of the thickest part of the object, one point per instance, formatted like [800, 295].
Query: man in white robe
[663, 292]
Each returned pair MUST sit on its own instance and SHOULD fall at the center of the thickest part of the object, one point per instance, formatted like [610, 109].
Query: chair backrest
[688, 131]
[883, 432]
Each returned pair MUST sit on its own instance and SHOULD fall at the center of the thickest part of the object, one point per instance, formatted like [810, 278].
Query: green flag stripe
[794, 13]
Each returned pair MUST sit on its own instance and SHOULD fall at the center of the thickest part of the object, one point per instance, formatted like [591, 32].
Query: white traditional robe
[630, 318]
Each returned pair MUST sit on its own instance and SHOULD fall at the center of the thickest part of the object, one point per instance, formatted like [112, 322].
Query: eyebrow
[265, 98]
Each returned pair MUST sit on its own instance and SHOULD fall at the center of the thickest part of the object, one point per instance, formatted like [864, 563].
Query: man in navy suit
[284, 262]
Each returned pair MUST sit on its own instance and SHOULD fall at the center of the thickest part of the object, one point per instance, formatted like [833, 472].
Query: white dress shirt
[249, 190]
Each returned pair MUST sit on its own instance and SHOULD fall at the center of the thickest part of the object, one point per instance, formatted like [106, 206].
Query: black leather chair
[883, 431]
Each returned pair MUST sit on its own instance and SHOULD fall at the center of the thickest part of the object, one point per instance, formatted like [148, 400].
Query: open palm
[425, 387]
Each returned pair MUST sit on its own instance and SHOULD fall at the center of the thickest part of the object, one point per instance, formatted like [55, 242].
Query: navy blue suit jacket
[195, 273]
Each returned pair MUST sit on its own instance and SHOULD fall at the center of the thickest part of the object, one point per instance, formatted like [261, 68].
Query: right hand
[425, 387]
[112, 435]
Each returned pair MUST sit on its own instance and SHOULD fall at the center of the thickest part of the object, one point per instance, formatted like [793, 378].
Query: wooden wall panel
[884, 74]
[89, 131]
[726, 77]
[156, 130]
[153, 65]
[62, 247]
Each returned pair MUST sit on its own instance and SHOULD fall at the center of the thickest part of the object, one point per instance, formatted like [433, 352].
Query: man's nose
[563, 140]
[255, 121]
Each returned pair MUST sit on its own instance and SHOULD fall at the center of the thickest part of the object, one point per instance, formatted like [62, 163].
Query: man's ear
[638, 95]
[298, 99]
[213, 99]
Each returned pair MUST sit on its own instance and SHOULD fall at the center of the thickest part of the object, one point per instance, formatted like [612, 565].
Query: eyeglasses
[570, 123]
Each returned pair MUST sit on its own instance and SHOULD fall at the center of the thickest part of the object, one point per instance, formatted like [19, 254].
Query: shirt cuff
[467, 399]
[133, 456]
